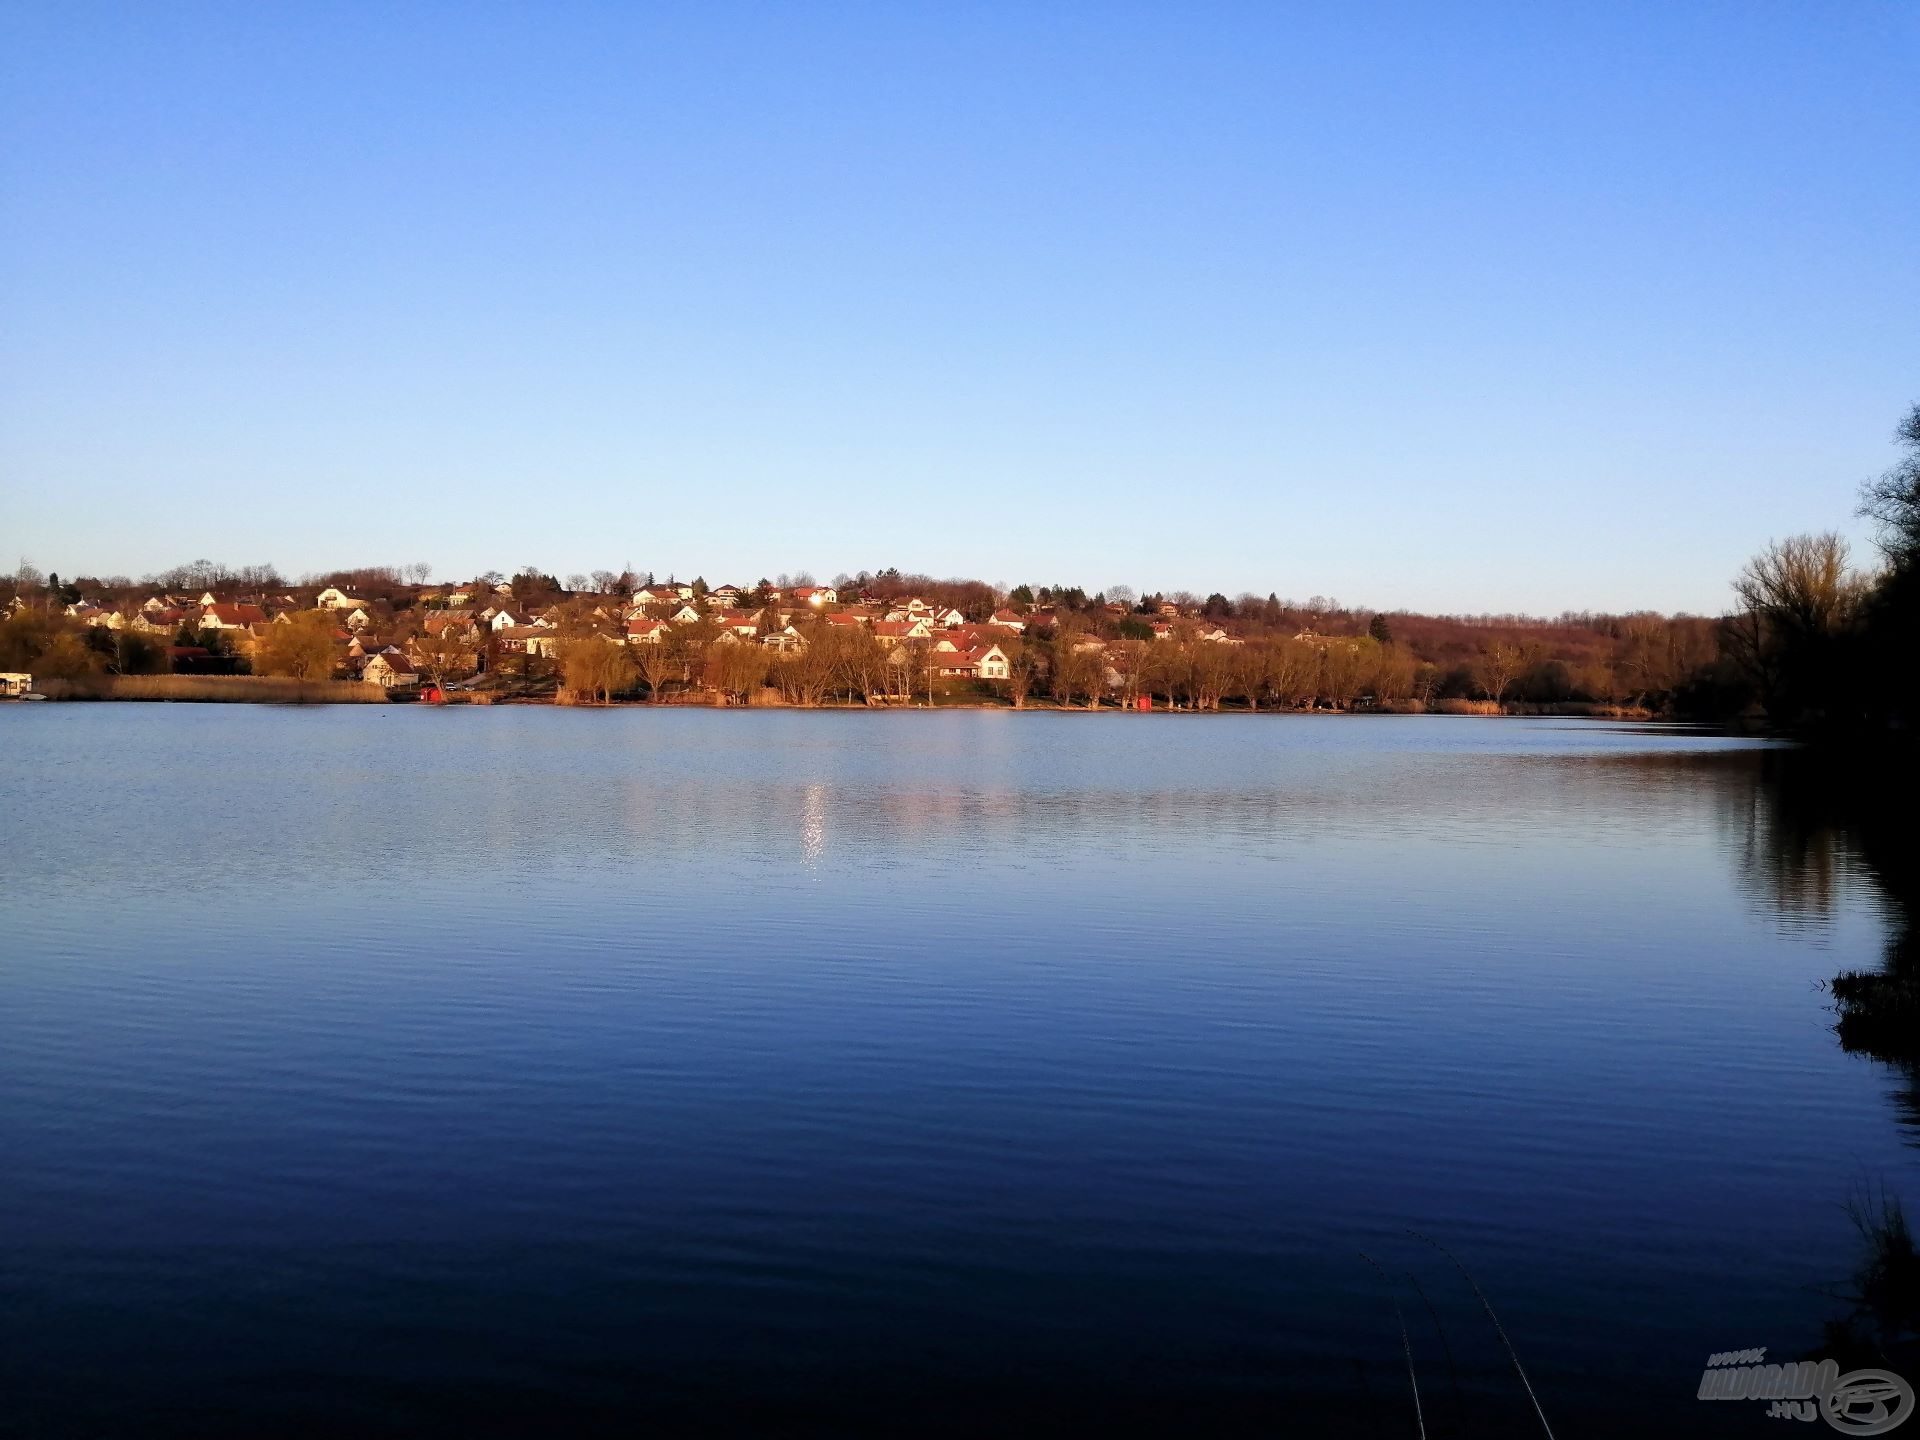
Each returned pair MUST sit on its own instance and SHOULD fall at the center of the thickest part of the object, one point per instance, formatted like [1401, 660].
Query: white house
[662, 594]
[158, 622]
[388, 670]
[15, 682]
[526, 639]
[232, 617]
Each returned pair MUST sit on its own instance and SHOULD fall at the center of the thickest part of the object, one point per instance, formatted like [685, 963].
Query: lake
[390, 1070]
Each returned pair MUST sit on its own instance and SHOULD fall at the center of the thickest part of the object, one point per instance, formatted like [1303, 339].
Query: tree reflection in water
[1814, 816]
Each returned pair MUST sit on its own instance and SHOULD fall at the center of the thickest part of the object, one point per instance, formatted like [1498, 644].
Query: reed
[1879, 1013]
[230, 689]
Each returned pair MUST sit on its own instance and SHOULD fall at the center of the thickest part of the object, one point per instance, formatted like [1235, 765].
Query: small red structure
[434, 695]
[1143, 702]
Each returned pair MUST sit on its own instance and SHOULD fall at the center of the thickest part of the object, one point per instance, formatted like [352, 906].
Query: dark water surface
[389, 1071]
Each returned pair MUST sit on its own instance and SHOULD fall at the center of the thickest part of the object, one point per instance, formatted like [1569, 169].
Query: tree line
[1826, 649]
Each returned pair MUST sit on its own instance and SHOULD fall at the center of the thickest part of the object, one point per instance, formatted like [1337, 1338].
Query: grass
[1882, 1326]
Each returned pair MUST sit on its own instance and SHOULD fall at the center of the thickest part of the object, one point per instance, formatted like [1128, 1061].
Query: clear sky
[1445, 306]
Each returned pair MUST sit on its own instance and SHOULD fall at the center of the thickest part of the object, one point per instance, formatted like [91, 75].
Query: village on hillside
[869, 639]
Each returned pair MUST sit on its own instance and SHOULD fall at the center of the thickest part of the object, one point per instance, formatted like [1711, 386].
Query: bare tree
[1794, 598]
[300, 647]
[805, 673]
[1023, 665]
[1892, 501]
[593, 669]
[1498, 666]
[659, 662]
[1802, 583]
[1210, 667]
[1393, 673]
[1345, 666]
[1127, 660]
[1078, 668]
[448, 651]
[736, 670]
[860, 661]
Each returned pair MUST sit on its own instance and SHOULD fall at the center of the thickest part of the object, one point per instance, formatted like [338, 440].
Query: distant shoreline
[265, 690]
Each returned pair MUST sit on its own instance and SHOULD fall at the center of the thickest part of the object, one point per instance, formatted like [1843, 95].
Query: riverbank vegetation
[885, 638]
[229, 689]
[1881, 1325]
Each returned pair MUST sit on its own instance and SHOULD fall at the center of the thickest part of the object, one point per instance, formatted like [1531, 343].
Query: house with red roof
[389, 668]
[987, 664]
[526, 639]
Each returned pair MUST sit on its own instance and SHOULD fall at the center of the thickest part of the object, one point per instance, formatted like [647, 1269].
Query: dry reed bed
[231, 689]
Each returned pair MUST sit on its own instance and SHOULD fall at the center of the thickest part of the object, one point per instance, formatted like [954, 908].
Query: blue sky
[1449, 307]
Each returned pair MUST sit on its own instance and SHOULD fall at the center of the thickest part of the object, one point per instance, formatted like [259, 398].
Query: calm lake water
[373, 1071]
